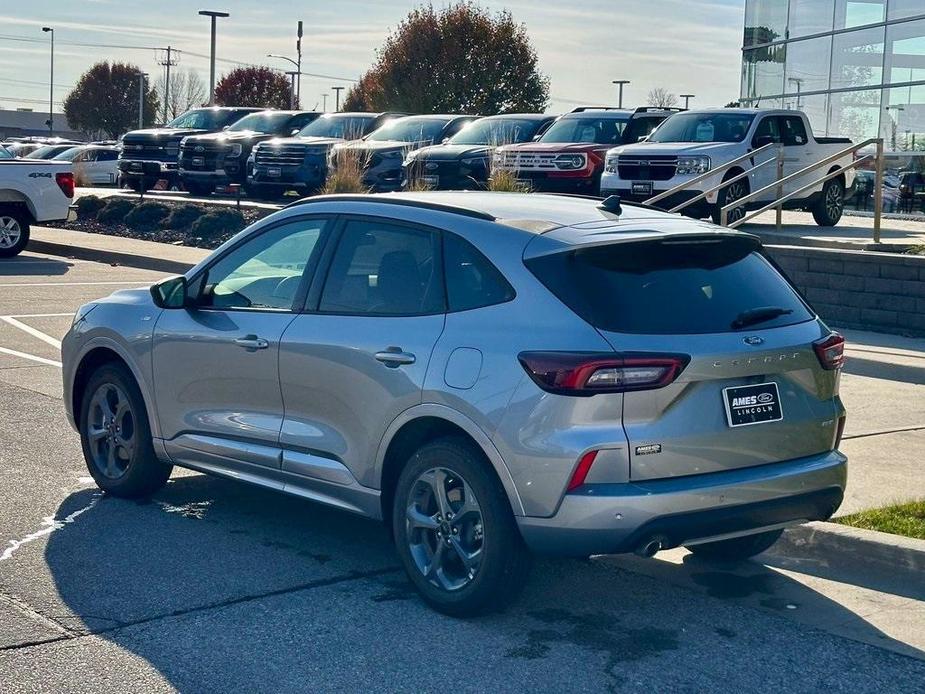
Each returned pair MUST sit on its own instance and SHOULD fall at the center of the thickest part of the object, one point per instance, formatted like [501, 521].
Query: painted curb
[99, 255]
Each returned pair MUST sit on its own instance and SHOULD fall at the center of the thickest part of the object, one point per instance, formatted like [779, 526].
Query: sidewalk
[852, 232]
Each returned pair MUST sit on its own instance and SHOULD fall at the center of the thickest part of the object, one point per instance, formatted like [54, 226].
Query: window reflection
[763, 71]
[765, 21]
[808, 65]
[857, 59]
[810, 17]
[856, 13]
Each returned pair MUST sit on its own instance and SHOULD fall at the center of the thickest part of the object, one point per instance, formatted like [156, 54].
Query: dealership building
[857, 67]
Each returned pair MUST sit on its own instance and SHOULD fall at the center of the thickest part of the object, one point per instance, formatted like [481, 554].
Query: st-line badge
[757, 404]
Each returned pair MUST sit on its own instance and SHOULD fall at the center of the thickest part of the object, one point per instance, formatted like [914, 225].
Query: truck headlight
[693, 165]
[474, 161]
[235, 150]
[570, 162]
[610, 164]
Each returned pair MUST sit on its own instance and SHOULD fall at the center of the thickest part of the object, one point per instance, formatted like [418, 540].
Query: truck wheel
[829, 207]
[14, 232]
[454, 531]
[729, 194]
[199, 189]
[738, 547]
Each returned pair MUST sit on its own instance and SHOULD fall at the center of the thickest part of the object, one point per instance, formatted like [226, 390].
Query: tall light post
[298, 66]
[324, 101]
[296, 75]
[214, 15]
[293, 75]
[620, 84]
[141, 99]
[51, 83]
[687, 99]
[337, 91]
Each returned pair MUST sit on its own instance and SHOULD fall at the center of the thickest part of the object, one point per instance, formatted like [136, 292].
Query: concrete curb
[841, 544]
[109, 256]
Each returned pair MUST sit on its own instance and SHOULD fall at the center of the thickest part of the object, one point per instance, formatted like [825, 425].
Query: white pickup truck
[692, 143]
[31, 190]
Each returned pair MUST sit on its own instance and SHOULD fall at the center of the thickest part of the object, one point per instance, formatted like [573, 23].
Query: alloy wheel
[111, 431]
[834, 201]
[444, 528]
[733, 192]
[10, 231]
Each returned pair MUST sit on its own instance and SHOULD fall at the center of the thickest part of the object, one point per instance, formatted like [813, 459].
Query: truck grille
[529, 161]
[150, 151]
[281, 155]
[202, 156]
[652, 168]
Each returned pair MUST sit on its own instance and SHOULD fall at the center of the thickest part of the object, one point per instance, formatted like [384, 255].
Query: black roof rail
[582, 109]
[649, 109]
[388, 200]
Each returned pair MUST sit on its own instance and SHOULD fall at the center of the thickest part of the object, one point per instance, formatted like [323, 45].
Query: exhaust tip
[649, 547]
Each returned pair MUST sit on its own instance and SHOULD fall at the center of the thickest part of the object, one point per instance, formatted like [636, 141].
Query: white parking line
[32, 331]
[40, 315]
[40, 360]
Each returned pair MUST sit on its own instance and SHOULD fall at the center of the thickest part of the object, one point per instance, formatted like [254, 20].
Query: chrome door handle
[251, 343]
[393, 357]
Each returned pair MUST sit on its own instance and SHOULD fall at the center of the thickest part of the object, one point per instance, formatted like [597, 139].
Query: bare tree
[186, 91]
[659, 96]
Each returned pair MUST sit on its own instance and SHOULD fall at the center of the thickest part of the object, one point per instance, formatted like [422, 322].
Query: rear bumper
[543, 182]
[308, 177]
[615, 518]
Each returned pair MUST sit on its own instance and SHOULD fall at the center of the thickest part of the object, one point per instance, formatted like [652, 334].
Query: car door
[105, 166]
[797, 153]
[358, 356]
[216, 361]
[766, 131]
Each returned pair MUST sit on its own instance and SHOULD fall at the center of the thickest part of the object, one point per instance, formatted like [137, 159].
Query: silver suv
[488, 373]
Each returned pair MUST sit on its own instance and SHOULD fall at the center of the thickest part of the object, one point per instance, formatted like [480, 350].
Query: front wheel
[828, 209]
[14, 232]
[729, 194]
[738, 547]
[455, 532]
[116, 438]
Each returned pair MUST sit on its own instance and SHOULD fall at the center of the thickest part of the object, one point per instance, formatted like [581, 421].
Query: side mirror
[295, 131]
[226, 127]
[536, 138]
[762, 140]
[642, 138]
[445, 140]
[170, 293]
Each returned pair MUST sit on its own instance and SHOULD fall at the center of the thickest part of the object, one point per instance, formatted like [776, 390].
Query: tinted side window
[384, 269]
[106, 155]
[792, 131]
[264, 272]
[471, 280]
[768, 127]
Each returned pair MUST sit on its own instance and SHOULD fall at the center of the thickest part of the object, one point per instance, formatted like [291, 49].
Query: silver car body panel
[315, 412]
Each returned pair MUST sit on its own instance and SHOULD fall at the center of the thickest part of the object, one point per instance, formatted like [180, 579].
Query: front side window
[601, 131]
[471, 280]
[792, 131]
[384, 269]
[264, 272]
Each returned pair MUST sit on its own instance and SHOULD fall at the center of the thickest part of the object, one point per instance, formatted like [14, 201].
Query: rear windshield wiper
[753, 316]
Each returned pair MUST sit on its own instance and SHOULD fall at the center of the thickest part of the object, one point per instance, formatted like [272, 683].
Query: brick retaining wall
[863, 290]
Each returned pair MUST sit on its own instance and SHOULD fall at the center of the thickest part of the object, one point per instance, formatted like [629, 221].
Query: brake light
[65, 181]
[588, 373]
[831, 351]
[581, 472]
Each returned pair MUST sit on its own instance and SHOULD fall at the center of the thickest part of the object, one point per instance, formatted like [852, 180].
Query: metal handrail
[779, 201]
[709, 174]
[722, 184]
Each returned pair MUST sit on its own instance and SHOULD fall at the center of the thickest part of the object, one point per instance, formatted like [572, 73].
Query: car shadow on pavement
[31, 265]
[903, 373]
[157, 577]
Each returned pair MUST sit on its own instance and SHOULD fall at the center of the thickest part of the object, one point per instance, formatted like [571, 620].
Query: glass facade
[857, 67]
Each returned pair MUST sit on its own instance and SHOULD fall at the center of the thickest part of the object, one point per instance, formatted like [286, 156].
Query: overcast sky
[683, 45]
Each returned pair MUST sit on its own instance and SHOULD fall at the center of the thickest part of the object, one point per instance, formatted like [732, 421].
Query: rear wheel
[116, 438]
[14, 232]
[455, 532]
[727, 195]
[828, 209]
[738, 547]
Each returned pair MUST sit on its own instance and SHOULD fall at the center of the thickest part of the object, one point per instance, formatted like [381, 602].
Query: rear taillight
[581, 472]
[831, 351]
[65, 181]
[586, 373]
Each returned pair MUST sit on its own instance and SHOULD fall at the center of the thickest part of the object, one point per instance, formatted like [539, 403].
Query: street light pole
[620, 84]
[798, 81]
[214, 15]
[292, 78]
[337, 91]
[51, 83]
[141, 99]
[687, 99]
[324, 102]
[298, 66]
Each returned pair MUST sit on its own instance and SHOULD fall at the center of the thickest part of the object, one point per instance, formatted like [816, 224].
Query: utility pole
[337, 91]
[298, 66]
[798, 81]
[214, 15]
[620, 84]
[141, 99]
[687, 99]
[293, 74]
[324, 101]
[51, 84]
[168, 62]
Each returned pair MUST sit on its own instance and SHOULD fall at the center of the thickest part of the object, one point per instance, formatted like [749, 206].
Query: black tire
[133, 184]
[831, 203]
[143, 473]
[728, 194]
[200, 190]
[504, 558]
[738, 547]
[14, 231]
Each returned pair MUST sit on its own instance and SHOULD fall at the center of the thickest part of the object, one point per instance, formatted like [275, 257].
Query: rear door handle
[393, 357]
[251, 343]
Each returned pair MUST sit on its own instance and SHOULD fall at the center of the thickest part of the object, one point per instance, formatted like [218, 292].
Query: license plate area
[274, 171]
[199, 161]
[642, 188]
[430, 180]
[755, 404]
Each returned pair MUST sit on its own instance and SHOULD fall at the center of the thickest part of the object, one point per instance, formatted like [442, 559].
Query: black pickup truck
[152, 154]
[217, 159]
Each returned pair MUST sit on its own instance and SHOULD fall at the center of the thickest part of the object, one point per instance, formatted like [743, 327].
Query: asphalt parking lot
[217, 586]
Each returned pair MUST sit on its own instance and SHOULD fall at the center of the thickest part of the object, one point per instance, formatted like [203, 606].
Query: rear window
[672, 287]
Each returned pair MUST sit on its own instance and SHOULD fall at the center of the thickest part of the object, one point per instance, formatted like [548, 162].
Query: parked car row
[592, 150]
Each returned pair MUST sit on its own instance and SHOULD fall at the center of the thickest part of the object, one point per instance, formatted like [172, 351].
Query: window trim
[319, 281]
[308, 273]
